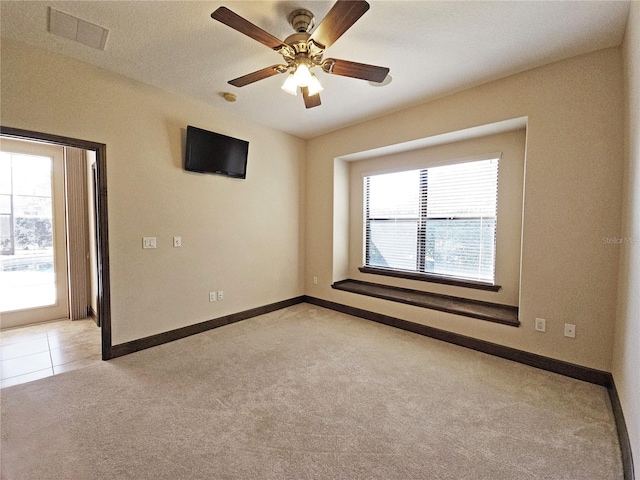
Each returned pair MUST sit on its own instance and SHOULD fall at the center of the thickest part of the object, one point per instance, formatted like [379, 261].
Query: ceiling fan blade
[259, 75]
[310, 101]
[339, 19]
[235, 21]
[363, 71]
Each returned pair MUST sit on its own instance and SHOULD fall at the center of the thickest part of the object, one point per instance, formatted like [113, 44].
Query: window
[436, 221]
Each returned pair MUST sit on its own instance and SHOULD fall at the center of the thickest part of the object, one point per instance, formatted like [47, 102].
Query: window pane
[6, 246]
[32, 206]
[393, 244]
[32, 175]
[394, 195]
[5, 204]
[463, 190]
[461, 248]
[5, 173]
[439, 220]
[26, 233]
[461, 220]
[33, 233]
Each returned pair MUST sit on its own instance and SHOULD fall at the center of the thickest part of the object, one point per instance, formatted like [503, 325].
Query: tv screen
[209, 152]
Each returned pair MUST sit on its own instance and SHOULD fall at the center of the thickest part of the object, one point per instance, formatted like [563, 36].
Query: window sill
[426, 277]
[492, 312]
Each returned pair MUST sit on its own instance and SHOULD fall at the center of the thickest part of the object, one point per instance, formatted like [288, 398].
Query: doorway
[33, 240]
[101, 224]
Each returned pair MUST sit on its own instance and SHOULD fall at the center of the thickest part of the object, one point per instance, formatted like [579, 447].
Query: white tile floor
[41, 350]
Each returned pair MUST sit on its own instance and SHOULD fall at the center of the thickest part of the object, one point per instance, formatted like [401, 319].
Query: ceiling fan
[303, 51]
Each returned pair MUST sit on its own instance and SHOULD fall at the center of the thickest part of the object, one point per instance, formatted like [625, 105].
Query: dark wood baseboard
[623, 434]
[170, 336]
[587, 374]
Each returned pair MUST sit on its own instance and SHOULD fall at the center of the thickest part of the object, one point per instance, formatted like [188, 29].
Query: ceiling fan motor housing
[302, 20]
[298, 41]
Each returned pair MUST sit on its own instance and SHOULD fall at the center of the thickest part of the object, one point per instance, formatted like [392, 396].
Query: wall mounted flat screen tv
[210, 152]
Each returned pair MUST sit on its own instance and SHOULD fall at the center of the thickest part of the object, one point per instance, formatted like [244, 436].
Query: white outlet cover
[148, 242]
[540, 325]
[569, 330]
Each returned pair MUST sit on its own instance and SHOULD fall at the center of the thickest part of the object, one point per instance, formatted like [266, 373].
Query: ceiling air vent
[74, 28]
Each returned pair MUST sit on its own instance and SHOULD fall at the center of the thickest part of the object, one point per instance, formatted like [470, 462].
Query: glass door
[33, 260]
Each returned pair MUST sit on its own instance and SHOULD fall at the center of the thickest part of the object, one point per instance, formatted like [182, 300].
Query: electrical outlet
[212, 296]
[569, 330]
[315, 280]
[177, 241]
[220, 295]
[541, 325]
[148, 242]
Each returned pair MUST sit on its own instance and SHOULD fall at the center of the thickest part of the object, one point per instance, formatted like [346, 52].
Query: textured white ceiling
[433, 48]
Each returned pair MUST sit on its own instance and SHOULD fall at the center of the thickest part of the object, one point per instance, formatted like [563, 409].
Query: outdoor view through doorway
[33, 272]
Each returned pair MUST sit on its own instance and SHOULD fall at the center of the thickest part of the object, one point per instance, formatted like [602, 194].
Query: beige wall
[572, 200]
[626, 357]
[240, 236]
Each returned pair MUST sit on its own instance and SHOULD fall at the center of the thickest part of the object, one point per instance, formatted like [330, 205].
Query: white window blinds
[439, 220]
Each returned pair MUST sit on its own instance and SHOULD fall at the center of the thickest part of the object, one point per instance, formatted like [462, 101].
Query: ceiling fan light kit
[314, 86]
[303, 51]
[290, 85]
[294, 81]
[302, 74]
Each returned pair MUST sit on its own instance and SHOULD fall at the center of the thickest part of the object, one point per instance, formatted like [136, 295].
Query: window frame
[422, 219]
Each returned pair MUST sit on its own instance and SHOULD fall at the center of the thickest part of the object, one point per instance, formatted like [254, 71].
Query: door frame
[102, 234]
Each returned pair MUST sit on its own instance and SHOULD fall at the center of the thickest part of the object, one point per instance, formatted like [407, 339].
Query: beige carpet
[308, 393]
